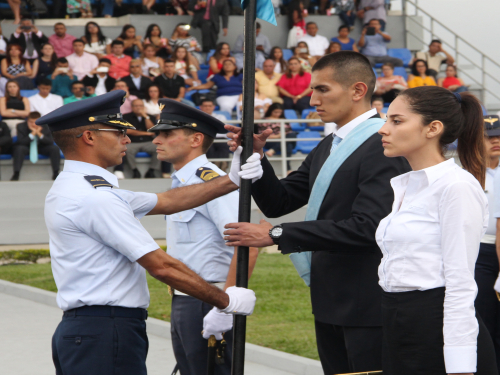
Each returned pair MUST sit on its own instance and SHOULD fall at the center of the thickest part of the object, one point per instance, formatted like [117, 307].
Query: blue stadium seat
[202, 75]
[204, 66]
[290, 114]
[14, 139]
[226, 114]
[190, 93]
[210, 54]
[378, 66]
[142, 155]
[401, 53]
[384, 110]
[400, 71]
[306, 112]
[307, 146]
[28, 93]
[5, 157]
[287, 54]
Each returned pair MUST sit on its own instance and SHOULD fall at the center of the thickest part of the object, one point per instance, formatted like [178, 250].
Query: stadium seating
[223, 113]
[28, 93]
[400, 71]
[290, 114]
[287, 54]
[202, 75]
[401, 53]
[307, 146]
[305, 113]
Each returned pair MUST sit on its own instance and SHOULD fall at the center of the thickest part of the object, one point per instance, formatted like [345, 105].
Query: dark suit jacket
[220, 9]
[5, 139]
[140, 92]
[109, 82]
[37, 42]
[344, 272]
[23, 132]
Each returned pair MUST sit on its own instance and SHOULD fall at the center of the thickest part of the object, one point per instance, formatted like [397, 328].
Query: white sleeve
[463, 218]
[224, 210]
[141, 203]
[496, 195]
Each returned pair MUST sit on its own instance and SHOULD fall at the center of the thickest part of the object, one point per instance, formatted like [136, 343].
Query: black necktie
[30, 48]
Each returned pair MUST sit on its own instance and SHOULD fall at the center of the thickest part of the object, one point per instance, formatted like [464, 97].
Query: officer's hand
[216, 323]
[248, 234]
[259, 140]
[241, 301]
[251, 170]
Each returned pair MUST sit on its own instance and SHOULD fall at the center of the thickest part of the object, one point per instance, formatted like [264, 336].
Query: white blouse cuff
[460, 359]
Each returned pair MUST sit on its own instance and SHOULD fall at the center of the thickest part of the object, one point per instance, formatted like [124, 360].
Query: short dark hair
[257, 25]
[311, 23]
[66, 139]
[435, 41]
[348, 68]
[117, 42]
[76, 83]
[45, 82]
[170, 61]
[78, 41]
[62, 60]
[390, 65]
[59, 24]
[105, 60]
[377, 99]
[34, 115]
[343, 27]
[204, 100]
[207, 140]
[373, 19]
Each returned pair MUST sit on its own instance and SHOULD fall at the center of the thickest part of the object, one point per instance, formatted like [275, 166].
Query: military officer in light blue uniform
[100, 250]
[195, 236]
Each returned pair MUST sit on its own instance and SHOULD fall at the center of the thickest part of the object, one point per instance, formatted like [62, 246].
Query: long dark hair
[7, 96]
[187, 58]
[281, 61]
[88, 37]
[274, 106]
[289, 72]
[9, 60]
[414, 70]
[53, 58]
[462, 117]
[223, 72]
[180, 24]
[150, 30]
[160, 92]
[218, 48]
[124, 30]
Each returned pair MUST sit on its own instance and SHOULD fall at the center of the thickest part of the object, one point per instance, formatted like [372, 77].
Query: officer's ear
[197, 140]
[88, 137]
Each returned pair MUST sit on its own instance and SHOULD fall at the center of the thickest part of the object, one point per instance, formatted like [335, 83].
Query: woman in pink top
[389, 85]
[295, 86]
[452, 82]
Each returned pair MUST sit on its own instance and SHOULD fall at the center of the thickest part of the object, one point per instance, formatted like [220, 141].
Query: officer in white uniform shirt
[99, 249]
[195, 236]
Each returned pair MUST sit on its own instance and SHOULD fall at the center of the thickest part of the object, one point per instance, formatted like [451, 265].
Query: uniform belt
[108, 311]
[219, 285]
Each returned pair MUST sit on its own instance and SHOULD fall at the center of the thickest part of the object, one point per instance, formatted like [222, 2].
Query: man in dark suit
[206, 16]
[28, 132]
[345, 295]
[136, 82]
[30, 39]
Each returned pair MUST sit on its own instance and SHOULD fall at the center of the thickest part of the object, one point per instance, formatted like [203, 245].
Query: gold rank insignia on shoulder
[206, 174]
[97, 181]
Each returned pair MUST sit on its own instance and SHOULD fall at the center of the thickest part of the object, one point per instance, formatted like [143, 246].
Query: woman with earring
[430, 240]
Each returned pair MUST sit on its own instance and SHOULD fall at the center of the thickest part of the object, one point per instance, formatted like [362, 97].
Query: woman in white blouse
[430, 240]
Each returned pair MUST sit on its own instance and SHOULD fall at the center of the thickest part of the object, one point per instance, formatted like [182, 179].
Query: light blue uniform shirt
[195, 236]
[96, 238]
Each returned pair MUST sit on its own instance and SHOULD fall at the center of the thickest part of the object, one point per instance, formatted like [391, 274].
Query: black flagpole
[240, 321]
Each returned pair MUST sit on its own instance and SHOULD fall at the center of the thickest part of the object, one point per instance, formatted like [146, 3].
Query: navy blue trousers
[190, 348]
[84, 345]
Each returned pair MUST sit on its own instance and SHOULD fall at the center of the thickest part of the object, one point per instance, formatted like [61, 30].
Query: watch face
[277, 231]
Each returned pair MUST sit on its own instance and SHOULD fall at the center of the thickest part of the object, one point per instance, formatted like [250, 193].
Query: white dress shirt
[101, 85]
[489, 189]
[96, 239]
[431, 240]
[317, 44]
[347, 128]
[45, 105]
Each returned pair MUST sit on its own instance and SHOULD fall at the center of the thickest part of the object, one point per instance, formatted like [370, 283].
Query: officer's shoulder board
[97, 181]
[206, 174]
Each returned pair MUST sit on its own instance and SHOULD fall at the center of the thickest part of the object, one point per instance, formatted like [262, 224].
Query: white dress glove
[241, 301]
[251, 170]
[216, 323]
[497, 284]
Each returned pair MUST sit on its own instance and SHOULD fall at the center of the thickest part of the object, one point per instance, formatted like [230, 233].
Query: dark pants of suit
[84, 345]
[52, 151]
[208, 35]
[302, 103]
[190, 348]
[487, 304]
[413, 335]
[348, 349]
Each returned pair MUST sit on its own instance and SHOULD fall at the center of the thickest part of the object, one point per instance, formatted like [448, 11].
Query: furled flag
[265, 10]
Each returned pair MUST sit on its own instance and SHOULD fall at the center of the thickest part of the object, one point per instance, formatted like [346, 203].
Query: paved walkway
[26, 328]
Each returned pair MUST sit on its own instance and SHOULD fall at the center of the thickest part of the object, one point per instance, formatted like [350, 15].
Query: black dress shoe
[15, 176]
[150, 174]
[137, 174]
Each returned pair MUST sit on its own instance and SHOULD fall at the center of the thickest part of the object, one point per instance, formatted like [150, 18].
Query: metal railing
[482, 61]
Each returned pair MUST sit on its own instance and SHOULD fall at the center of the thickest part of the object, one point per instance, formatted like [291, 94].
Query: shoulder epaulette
[97, 181]
[206, 174]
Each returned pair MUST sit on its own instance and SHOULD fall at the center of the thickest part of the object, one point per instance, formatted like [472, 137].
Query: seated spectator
[171, 84]
[62, 78]
[136, 82]
[153, 38]
[296, 14]
[275, 112]
[44, 66]
[452, 82]
[263, 47]
[346, 9]
[346, 42]
[78, 90]
[267, 79]
[26, 31]
[435, 57]
[99, 78]
[126, 107]
[389, 85]
[261, 103]
[374, 46]
[151, 64]
[3, 44]
[28, 133]
[217, 150]
[277, 56]
[79, 8]
[333, 47]
[185, 67]
[80, 62]
[420, 75]
[180, 6]
[153, 94]
[132, 44]
[317, 43]
[181, 38]
[6, 139]
[95, 42]
[372, 9]
[45, 102]
[16, 67]
[378, 104]
[301, 52]
[229, 86]
[141, 139]
[119, 62]
[222, 53]
[13, 107]
[61, 41]
[295, 86]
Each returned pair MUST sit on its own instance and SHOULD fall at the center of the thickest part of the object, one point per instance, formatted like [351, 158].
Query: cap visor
[165, 127]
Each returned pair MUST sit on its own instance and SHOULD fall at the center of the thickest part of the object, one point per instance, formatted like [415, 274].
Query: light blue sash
[355, 138]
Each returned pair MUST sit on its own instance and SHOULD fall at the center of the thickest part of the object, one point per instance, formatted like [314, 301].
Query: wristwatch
[275, 233]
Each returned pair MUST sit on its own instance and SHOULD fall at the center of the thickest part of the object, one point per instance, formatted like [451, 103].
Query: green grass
[282, 318]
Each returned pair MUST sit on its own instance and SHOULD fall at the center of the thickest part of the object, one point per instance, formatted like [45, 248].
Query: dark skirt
[413, 335]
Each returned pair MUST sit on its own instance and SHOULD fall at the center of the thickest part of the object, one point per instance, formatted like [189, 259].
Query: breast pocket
[183, 222]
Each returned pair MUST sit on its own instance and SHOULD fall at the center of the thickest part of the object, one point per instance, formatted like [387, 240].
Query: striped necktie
[335, 143]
